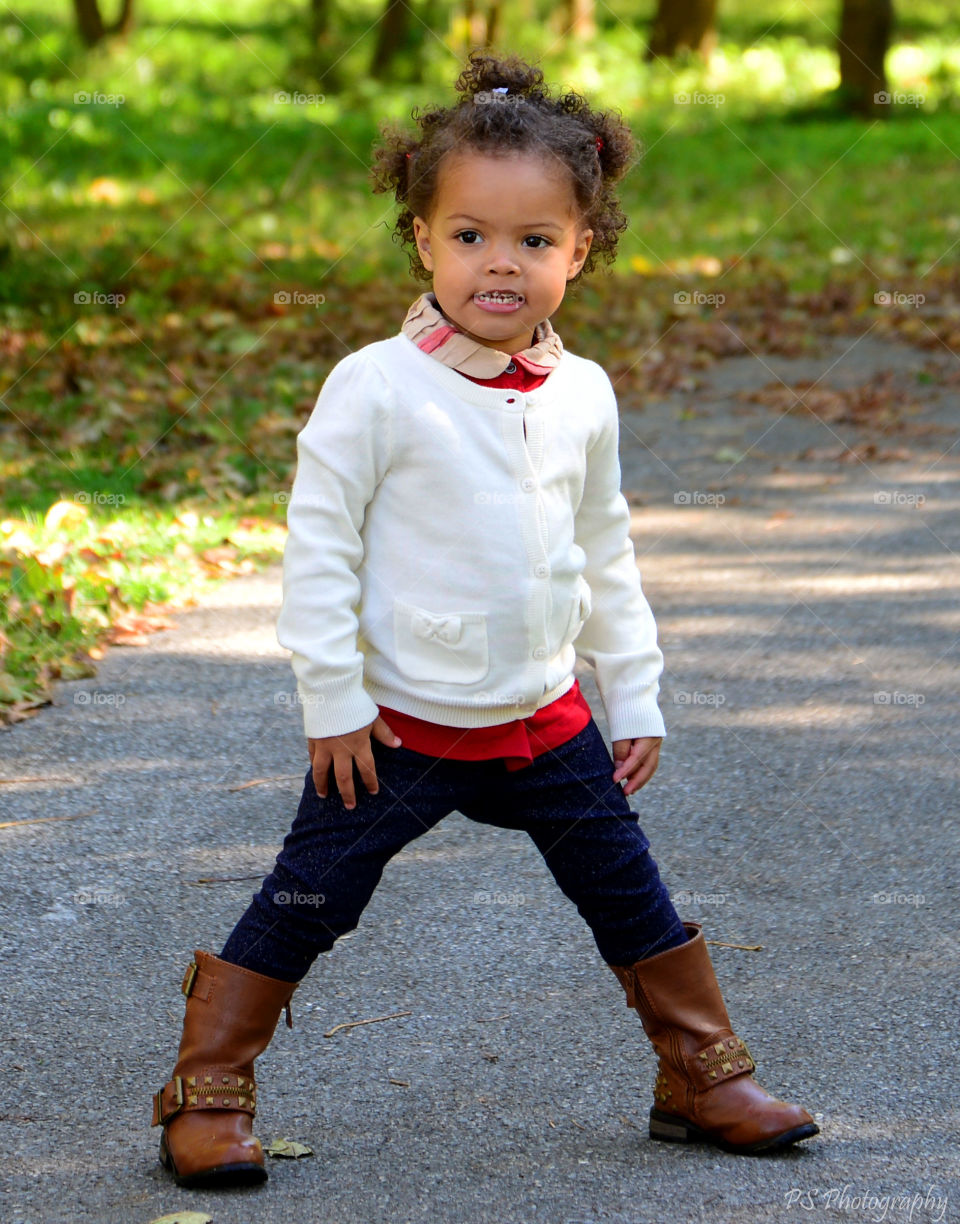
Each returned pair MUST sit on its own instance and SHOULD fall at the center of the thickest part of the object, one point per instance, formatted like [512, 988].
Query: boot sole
[670, 1128]
[243, 1173]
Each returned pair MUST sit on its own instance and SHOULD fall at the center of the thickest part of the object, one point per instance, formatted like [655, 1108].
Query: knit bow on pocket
[446, 629]
[439, 647]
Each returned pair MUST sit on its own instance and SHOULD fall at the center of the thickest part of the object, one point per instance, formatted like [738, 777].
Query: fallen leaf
[288, 1149]
[184, 1217]
[64, 514]
[131, 628]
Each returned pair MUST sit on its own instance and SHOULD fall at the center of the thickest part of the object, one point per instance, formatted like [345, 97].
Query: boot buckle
[159, 1118]
[189, 977]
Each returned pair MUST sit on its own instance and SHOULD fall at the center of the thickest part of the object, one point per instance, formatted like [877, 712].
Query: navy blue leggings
[332, 859]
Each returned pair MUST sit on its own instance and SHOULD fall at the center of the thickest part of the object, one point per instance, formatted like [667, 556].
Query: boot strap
[719, 1061]
[215, 1089]
[197, 982]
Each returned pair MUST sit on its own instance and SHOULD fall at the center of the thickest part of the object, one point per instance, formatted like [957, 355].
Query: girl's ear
[580, 252]
[421, 234]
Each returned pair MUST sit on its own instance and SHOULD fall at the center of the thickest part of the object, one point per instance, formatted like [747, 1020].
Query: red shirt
[519, 741]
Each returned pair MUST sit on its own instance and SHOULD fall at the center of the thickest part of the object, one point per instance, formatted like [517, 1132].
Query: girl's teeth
[499, 297]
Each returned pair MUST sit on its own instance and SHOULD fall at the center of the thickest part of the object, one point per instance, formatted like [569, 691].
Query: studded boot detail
[704, 1091]
[207, 1108]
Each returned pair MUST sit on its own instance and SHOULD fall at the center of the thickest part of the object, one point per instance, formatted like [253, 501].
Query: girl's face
[502, 241]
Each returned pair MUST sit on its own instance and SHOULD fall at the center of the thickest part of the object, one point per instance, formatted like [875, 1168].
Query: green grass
[146, 361]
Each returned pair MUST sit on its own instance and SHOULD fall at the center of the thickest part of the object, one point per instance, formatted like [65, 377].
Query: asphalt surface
[805, 802]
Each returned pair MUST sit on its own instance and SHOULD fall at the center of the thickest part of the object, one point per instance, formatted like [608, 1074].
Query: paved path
[806, 801]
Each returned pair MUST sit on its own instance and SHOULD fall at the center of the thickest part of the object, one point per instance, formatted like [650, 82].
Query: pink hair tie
[599, 143]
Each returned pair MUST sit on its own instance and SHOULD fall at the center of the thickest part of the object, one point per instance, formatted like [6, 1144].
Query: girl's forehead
[503, 179]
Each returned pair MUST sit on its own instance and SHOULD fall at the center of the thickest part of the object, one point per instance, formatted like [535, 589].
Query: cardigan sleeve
[619, 637]
[342, 455]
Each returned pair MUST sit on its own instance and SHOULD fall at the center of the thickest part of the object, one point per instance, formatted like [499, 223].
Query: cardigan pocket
[581, 609]
[448, 648]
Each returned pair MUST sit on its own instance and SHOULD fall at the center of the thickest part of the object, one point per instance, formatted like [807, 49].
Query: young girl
[455, 525]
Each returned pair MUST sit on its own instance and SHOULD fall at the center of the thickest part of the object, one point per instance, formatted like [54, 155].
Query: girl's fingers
[642, 776]
[368, 770]
[321, 773]
[629, 763]
[639, 766]
[343, 772]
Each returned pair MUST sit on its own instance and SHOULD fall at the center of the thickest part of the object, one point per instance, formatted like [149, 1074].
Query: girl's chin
[508, 339]
[495, 327]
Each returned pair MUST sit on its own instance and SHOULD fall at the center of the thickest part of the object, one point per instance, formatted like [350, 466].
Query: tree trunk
[319, 19]
[393, 36]
[580, 22]
[865, 27]
[494, 16]
[91, 25]
[475, 25]
[681, 25]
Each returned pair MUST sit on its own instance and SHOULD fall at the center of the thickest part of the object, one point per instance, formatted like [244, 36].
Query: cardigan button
[542, 571]
[528, 484]
[540, 652]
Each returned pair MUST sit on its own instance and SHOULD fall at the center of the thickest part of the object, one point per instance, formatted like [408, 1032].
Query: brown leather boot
[206, 1109]
[704, 1092]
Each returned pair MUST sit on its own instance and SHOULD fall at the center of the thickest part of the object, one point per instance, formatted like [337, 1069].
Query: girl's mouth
[498, 302]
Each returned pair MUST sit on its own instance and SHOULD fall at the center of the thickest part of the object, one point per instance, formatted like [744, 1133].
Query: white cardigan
[449, 541]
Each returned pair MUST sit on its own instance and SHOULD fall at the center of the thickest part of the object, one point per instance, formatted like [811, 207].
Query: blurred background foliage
[188, 242]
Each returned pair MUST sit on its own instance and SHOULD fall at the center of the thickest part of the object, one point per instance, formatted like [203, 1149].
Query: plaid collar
[433, 333]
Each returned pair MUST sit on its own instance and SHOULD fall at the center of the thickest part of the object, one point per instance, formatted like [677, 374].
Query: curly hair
[505, 107]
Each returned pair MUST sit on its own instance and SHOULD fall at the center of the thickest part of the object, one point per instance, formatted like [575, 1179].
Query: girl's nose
[502, 261]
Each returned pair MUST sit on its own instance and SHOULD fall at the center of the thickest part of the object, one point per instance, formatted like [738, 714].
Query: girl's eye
[469, 237]
[537, 241]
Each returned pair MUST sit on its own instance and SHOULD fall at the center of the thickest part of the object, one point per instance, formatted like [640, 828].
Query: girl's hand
[636, 760]
[341, 751]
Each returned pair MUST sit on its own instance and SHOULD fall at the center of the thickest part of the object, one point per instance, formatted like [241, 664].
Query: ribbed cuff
[633, 715]
[336, 709]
